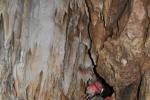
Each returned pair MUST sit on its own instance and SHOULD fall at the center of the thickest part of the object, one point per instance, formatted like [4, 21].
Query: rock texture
[49, 48]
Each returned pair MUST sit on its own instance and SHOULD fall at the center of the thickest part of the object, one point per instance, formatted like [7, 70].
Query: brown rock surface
[49, 48]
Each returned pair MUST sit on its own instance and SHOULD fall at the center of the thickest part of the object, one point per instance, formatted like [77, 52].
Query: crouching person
[97, 90]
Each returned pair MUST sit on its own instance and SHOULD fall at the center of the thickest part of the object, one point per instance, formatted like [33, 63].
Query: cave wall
[44, 44]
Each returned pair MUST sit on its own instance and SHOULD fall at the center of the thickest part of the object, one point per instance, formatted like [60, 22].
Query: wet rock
[49, 47]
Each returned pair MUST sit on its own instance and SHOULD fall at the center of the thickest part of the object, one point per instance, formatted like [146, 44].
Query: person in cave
[98, 89]
[94, 86]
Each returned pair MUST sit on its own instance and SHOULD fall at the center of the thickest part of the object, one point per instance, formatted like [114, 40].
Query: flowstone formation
[50, 48]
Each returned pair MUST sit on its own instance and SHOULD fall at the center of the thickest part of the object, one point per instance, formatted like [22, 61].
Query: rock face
[49, 48]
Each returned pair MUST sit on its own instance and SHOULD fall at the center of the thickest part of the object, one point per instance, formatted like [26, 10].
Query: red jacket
[96, 87]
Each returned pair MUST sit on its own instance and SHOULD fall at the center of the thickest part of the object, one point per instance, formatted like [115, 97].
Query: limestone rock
[44, 44]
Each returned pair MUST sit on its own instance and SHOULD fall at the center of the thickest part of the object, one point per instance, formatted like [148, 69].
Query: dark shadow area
[108, 90]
